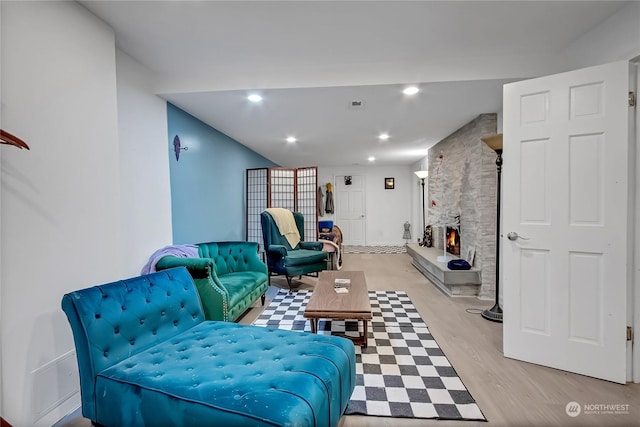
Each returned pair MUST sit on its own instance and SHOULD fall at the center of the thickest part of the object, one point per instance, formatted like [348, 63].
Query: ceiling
[310, 59]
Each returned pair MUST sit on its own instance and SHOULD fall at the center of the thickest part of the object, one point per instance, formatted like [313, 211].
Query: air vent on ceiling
[356, 104]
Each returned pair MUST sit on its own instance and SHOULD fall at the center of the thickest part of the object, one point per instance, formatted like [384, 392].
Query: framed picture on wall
[389, 183]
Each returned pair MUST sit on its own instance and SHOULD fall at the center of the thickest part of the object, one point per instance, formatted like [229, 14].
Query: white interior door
[350, 209]
[566, 189]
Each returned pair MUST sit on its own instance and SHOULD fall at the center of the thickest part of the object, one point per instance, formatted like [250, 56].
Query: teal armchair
[306, 258]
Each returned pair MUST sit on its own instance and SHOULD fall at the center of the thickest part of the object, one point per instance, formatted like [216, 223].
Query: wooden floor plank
[509, 392]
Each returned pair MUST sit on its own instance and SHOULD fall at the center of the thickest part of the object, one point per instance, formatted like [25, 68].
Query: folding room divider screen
[289, 188]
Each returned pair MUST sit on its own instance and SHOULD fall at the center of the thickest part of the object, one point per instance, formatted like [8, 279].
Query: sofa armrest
[314, 246]
[198, 267]
[277, 250]
[213, 295]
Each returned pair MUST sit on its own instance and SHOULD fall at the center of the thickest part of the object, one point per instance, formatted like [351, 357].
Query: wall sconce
[177, 147]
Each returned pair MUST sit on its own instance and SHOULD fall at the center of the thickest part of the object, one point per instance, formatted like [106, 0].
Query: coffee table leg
[314, 325]
[366, 333]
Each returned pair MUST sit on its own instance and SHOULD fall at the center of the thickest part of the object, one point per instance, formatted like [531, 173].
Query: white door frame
[634, 304]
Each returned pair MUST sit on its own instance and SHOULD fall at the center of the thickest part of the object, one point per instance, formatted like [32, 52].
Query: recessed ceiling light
[291, 139]
[254, 97]
[383, 136]
[371, 159]
[411, 90]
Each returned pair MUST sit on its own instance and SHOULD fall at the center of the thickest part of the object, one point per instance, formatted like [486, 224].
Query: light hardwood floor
[509, 392]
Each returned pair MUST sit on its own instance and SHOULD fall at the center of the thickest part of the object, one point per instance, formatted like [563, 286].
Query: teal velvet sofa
[147, 357]
[282, 259]
[229, 276]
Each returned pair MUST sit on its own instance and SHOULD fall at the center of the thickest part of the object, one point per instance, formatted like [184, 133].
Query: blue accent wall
[208, 181]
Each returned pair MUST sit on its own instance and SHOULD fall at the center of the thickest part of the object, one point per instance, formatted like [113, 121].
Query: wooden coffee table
[326, 303]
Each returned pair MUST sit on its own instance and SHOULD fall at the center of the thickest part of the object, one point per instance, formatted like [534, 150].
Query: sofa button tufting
[142, 321]
[116, 330]
[132, 342]
[97, 315]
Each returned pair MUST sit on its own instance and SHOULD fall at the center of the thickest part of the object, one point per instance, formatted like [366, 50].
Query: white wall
[615, 39]
[144, 165]
[1, 318]
[60, 200]
[386, 210]
[86, 205]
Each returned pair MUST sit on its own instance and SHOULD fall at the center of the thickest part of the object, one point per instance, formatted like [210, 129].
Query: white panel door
[350, 209]
[566, 185]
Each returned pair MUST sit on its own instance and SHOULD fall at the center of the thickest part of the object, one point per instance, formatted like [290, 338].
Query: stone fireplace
[470, 168]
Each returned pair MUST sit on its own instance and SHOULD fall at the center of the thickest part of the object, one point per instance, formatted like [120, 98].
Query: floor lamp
[495, 313]
[422, 175]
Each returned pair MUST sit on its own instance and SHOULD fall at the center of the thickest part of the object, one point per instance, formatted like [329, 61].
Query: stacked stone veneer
[470, 168]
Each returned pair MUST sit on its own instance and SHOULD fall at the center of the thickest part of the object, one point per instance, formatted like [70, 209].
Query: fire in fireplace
[453, 241]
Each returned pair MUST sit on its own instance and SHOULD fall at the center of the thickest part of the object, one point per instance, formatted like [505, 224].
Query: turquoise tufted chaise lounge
[148, 358]
[229, 276]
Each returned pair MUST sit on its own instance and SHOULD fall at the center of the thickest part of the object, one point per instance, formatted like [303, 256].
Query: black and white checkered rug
[402, 373]
[354, 249]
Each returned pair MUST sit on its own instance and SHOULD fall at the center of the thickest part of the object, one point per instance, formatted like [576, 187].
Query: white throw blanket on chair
[286, 224]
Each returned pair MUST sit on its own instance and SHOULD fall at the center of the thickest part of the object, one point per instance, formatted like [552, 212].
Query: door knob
[514, 236]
